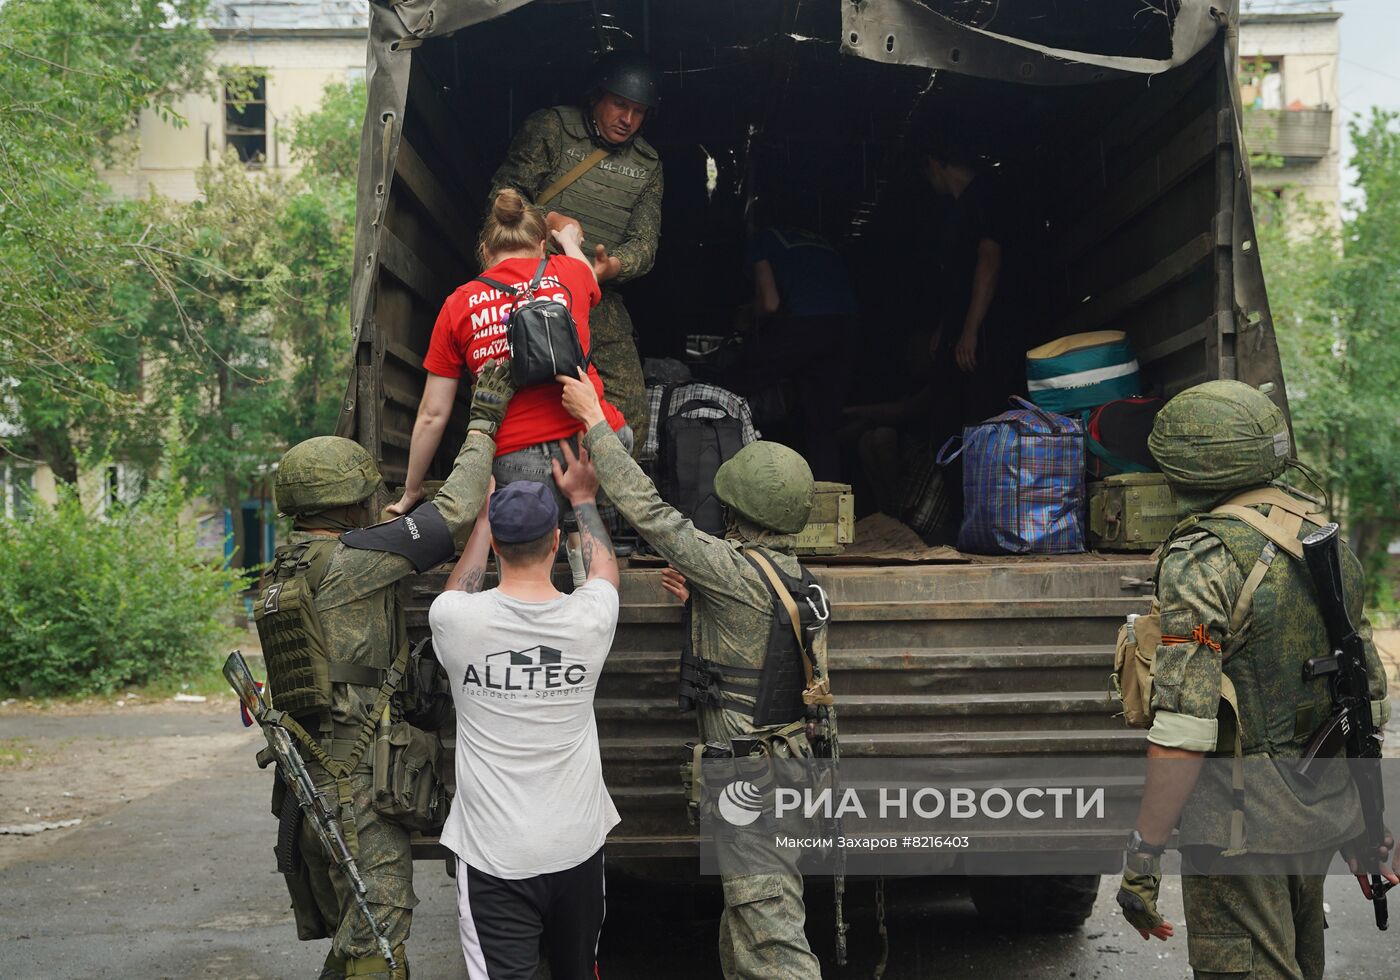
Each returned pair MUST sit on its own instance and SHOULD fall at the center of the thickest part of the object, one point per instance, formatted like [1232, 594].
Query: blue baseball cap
[523, 511]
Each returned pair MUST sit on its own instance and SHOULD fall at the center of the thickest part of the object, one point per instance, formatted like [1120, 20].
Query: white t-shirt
[530, 795]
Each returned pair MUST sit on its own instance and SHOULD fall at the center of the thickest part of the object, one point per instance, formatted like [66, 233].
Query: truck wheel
[1039, 903]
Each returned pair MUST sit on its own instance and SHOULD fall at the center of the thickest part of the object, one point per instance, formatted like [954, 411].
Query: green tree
[1336, 302]
[74, 76]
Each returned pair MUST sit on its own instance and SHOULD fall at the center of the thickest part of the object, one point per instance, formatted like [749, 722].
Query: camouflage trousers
[615, 356]
[762, 932]
[324, 902]
[1264, 927]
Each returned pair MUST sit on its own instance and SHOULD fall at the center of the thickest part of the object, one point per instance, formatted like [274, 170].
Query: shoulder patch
[421, 536]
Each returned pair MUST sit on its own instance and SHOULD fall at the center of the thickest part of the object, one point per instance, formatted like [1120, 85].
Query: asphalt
[180, 885]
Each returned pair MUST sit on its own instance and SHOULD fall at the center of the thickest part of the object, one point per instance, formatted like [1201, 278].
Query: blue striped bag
[1023, 483]
[1082, 371]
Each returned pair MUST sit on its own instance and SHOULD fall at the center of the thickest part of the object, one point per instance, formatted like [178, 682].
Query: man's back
[530, 795]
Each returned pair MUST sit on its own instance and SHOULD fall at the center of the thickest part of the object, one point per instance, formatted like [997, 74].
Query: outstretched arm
[578, 481]
[706, 561]
[434, 409]
[470, 570]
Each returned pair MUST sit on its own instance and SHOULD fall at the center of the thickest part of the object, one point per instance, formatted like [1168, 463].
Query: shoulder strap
[818, 691]
[580, 168]
[539, 274]
[1280, 528]
[508, 290]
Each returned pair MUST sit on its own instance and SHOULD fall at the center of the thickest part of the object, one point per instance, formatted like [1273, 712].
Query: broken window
[245, 115]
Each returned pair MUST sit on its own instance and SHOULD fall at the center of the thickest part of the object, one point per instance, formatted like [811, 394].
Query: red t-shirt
[471, 330]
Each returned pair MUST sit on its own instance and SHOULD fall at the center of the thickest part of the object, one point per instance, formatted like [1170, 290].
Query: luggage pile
[1069, 469]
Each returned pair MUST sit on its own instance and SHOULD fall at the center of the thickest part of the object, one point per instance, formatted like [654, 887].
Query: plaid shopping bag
[1023, 483]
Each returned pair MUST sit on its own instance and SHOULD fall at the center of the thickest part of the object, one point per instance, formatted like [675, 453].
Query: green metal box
[1130, 512]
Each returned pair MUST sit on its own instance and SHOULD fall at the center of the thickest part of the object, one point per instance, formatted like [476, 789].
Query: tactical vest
[603, 198]
[1278, 709]
[1274, 711]
[300, 670]
[790, 679]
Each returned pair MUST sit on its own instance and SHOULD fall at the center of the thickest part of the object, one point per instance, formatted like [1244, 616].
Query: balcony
[1294, 134]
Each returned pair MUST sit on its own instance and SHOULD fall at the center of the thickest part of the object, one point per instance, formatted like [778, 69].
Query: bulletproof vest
[300, 670]
[1278, 709]
[294, 645]
[777, 687]
[603, 198]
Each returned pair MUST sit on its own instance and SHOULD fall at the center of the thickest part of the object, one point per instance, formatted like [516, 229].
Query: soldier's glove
[490, 396]
[1137, 895]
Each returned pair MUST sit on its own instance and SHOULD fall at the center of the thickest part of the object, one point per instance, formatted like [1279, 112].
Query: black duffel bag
[541, 334]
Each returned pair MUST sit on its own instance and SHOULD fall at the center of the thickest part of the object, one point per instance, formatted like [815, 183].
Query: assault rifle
[1350, 725]
[314, 804]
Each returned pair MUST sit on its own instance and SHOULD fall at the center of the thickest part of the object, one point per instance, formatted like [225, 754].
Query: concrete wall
[1309, 46]
[297, 64]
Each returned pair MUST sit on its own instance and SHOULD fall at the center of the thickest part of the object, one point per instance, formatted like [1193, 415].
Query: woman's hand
[674, 582]
[581, 399]
[406, 503]
[569, 236]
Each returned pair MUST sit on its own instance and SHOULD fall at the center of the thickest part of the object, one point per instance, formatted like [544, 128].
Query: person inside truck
[471, 329]
[978, 345]
[590, 162]
[804, 309]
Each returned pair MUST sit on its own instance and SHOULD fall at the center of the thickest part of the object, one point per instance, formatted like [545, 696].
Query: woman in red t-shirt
[471, 329]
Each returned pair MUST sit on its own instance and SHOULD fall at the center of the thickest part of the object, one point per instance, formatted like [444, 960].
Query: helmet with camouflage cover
[769, 484]
[1219, 436]
[324, 472]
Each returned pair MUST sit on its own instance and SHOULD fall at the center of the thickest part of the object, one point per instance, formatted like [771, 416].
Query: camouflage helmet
[769, 484]
[324, 472]
[1219, 436]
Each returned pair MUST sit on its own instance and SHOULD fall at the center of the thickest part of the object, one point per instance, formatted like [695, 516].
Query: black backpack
[690, 451]
[541, 333]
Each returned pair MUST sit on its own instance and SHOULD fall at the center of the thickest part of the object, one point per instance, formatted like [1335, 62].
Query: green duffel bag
[1130, 512]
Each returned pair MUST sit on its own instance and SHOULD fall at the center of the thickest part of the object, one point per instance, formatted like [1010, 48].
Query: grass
[13, 752]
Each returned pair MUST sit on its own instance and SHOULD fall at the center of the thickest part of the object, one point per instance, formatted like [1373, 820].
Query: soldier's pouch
[758, 901]
[408, 788]
[1133, 663]
[310, 924]
[1214, 955]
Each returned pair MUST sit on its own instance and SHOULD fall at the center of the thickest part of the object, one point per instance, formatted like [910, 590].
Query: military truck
[1118, 126]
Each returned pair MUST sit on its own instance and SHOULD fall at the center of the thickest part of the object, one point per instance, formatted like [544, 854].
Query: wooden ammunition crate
[833, 522]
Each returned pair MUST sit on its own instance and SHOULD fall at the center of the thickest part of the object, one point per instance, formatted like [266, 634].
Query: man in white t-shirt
[531, 812]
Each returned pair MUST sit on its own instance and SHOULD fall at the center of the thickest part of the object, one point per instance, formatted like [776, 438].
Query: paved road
[180, 885]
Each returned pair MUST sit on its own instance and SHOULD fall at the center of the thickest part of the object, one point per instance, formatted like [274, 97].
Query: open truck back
[1118, 126]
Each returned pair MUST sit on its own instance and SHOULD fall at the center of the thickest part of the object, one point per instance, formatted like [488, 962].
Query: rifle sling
[579, 169]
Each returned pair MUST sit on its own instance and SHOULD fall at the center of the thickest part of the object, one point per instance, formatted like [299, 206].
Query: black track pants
[505, 922]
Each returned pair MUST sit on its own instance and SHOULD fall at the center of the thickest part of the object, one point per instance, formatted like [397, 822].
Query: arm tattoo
[591, 532]
[471, 581]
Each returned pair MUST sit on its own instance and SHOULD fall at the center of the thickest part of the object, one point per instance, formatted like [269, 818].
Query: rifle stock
[318, 809]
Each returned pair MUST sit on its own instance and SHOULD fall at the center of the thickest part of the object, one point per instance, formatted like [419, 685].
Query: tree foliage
[89, 604]
[74, 76]
[1336, 303]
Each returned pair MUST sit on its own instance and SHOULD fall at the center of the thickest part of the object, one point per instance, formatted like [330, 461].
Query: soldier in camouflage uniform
[1213, 442]
[331, 487]
[768, 490]
[617, 201]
